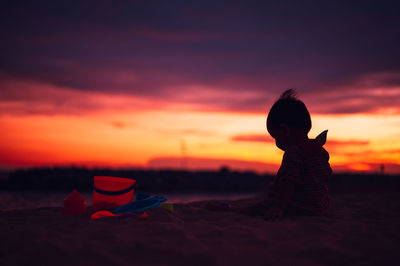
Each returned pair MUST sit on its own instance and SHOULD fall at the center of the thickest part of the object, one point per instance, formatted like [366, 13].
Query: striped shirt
[302, 179]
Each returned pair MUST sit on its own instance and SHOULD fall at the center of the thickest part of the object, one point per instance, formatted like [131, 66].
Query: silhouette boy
[300, 186]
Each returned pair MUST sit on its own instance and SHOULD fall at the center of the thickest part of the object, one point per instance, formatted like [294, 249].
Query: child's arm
[280, 193]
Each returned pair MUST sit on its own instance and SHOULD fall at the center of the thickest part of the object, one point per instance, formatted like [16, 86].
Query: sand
[360, 229]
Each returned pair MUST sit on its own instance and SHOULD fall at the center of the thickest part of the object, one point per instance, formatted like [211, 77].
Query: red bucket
[110, 192]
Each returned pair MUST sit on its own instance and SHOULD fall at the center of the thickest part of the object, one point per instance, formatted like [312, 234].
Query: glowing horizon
[127, 131]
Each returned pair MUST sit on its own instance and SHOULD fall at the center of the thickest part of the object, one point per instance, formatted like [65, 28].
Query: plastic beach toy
[142, 195]
[74, 204]
[110, 192]
[101, 214]
[133, 209]
[141, 205]
[105, 213]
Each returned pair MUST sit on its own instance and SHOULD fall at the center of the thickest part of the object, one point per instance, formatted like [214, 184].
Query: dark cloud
[366, 95]
[159, 50]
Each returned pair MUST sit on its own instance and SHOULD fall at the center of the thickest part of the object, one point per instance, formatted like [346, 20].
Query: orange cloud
[253, 138]
[343, 146]
[359, 167]
[118, 124]
[336, 142]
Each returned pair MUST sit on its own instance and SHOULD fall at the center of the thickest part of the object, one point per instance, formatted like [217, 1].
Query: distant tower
[382, 169]
[183, 152]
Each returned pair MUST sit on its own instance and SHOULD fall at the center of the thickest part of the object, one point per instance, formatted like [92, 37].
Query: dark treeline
[224, 180]
[46, 179]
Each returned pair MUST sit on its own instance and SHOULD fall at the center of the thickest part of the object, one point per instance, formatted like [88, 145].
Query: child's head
[288, 120]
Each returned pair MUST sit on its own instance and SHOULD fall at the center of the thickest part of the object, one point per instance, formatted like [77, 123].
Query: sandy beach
[360, 229]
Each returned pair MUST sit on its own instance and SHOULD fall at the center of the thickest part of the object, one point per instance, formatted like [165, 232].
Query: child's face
[285, 135]
[281, 135]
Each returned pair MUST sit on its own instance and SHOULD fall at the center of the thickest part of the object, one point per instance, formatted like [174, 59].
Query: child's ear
[321, 138]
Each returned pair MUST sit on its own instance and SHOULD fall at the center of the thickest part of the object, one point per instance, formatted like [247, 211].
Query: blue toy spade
[143, 202]
[140, 205]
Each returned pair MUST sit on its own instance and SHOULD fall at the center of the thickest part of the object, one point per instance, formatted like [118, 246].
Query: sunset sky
[189, 84]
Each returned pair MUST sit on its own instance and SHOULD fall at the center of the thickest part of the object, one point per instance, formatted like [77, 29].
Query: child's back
[306, 167]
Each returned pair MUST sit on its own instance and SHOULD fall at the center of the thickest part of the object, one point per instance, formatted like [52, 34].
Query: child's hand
[272, 214]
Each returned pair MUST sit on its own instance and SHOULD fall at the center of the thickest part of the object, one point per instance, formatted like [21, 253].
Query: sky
[188, 84]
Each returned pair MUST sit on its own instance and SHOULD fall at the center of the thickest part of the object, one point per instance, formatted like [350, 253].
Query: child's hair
[290, 111]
